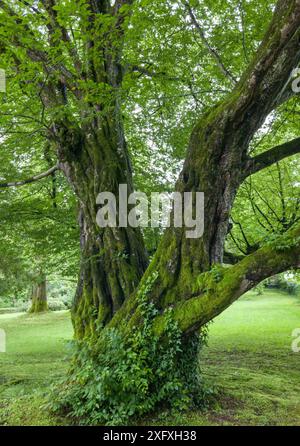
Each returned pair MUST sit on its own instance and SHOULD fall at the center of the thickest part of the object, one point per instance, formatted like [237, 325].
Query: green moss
[38, 306]
[85, 317]
[218, 288]
[207, 281]
[127, 375]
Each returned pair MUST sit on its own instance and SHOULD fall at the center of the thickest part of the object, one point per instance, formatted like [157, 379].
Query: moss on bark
[39, 297]
[94, 158]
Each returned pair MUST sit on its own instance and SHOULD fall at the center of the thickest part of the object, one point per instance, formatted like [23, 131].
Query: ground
[249, 359]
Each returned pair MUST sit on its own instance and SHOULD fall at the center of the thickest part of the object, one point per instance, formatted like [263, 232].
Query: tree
[39, 295]
[14, 278]
[76, 69]
[41, 239]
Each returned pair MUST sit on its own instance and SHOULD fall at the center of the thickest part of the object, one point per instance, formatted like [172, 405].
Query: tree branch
[271, 156]
[157, 74]
[54, 25]
[237, 280]
[231, 258]
[34, 50]
[265, 83]
[286, 93]
[32, 179]
[119, 3]
[211, 50]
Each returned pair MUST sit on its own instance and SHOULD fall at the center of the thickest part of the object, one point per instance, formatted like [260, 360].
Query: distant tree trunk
[39, 296]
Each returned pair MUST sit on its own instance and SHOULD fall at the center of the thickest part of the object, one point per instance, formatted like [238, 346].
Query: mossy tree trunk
[113, 260]
[186, 275]
[94, 158]
[39, 296]
[217, 163]
[92, 153]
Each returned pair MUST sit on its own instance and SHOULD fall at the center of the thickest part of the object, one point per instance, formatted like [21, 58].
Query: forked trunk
[156, 315]
[95, 160]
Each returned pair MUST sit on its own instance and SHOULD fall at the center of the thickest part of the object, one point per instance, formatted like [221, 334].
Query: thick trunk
[185, 285]
[216, 165]
[39, 296]
[113, 260]
[95, 159]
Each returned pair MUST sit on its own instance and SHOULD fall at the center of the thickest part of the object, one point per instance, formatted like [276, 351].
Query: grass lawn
[249, 360]
[36, 350]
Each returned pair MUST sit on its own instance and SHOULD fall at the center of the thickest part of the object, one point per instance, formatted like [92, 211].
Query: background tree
[41, 239]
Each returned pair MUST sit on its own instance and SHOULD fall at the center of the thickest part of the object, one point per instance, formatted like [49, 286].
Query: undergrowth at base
[115, 379]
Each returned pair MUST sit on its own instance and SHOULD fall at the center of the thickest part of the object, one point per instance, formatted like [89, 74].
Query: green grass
[249, 361]
[35, 356]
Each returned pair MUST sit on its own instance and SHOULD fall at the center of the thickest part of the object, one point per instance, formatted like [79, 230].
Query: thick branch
[271, 156]
[32, 179]
[237, 280]
[266, 81]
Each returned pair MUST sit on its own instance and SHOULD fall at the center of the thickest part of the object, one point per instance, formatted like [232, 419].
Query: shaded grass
[35, 356]
[249, 360]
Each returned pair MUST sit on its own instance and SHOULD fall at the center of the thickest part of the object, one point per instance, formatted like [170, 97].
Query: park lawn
[249, 361]
[36, 353]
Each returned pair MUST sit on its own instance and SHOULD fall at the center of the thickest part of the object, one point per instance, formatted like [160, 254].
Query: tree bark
[96, 160]
[39, 296]
[92, 153]
[113, 260]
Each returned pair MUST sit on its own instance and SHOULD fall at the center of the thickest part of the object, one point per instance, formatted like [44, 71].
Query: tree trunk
[216, 165]
[93, 155]
[113, 260]
[39, 296]
[94, 158]
[155, 312]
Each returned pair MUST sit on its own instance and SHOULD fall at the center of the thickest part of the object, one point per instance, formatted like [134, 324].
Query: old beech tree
[86, 135]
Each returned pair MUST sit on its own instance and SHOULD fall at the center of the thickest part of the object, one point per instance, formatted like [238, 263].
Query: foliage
[115, 379]
[281, 282]
[259, 216]
[61, 291]
[259, 289]
[56, 305]
[207, 281]
[41, 239]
